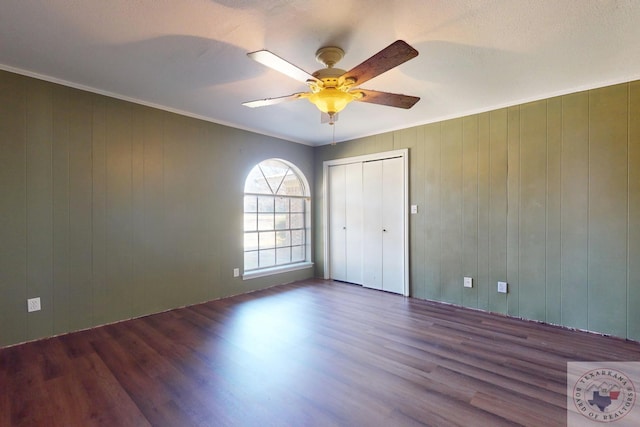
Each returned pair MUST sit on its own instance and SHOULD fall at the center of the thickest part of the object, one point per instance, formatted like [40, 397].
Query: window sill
[276, 270]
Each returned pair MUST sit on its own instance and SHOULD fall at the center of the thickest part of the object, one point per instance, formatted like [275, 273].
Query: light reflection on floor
[270, 343]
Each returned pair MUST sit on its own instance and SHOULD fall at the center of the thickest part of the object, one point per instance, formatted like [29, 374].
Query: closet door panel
[337, 222]
[354, 223]
[393, 225]
[372, 217]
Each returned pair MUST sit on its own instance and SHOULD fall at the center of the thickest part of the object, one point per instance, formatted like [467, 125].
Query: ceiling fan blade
[273, 61]
[386, 98]
[391, 56]
[271, 101]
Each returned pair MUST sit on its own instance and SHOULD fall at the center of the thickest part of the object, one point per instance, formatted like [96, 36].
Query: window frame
[305, 228]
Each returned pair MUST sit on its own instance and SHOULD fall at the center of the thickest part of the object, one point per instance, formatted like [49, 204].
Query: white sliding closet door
[345, 222]
[372, 204]
[353, 204]
[383, 244]
[393, 225]
[365, 217]
[338, 222]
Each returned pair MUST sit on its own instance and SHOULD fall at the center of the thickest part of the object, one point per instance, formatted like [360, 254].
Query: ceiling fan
[330, 88]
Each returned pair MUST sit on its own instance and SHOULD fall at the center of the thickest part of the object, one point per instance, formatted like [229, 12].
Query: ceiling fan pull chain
[333, 138]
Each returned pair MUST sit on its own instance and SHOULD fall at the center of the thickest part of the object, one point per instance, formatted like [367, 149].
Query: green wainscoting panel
[98, 214]
[484, 210]
[575, 209]
[470, 209]
[533, 210]
[79, 291]
[608, 210]
[181, 192]
[513, 210]
[498, 205]
[451, 200]
[633, 298]
[408, 138]
[39, 207]
[61, 220]
[117, 294]
[383, 142]
[432, 235]
[553, 266]
[142, 125]
[13, 210]
[417, 235]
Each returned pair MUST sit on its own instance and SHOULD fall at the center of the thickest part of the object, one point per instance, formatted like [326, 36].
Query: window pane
[283, 238]
[265, 221]
[250, 204]
[297, 220]
[291, 186]
[267, 258]
[267, 239]
[297, 237]
[250, 222]
[297, 253]
[283, 256]
[297, 205]
[265, 204]
[282, 204]
[256, 183]
[250, 260]
[282, 221]
[250, 241]
[274, 171]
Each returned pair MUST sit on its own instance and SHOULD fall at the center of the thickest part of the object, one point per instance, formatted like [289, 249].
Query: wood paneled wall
[544, 195]
[111, 210]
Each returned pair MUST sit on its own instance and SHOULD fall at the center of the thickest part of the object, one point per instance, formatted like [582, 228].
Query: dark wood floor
[316, 353]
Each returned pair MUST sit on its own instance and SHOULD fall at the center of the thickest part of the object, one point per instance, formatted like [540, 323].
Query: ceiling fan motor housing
[329, 95]
[330, 77]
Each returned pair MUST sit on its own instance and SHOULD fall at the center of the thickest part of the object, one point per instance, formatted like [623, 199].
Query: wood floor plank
[311, 353]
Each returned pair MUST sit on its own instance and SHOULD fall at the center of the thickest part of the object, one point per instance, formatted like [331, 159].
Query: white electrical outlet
[502, 287]
[468, 282]
[33, 304]
[414, 209]
[236, 272]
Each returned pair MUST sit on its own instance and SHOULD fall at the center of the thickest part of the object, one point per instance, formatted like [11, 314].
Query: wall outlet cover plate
[33, 304]
[502, 287]
[468, 282]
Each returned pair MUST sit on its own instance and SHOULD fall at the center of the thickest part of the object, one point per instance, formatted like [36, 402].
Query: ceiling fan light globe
[331, 100]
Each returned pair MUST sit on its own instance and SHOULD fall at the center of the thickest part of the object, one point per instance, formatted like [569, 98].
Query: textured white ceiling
[189, 55]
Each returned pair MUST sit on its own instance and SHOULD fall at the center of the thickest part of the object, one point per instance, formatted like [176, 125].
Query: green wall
[544, 195]
[111, 210]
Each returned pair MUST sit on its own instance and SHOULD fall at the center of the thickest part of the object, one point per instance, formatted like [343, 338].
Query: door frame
[402, 153]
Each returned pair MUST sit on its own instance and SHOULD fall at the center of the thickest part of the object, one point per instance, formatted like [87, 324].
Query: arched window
[276, 218]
